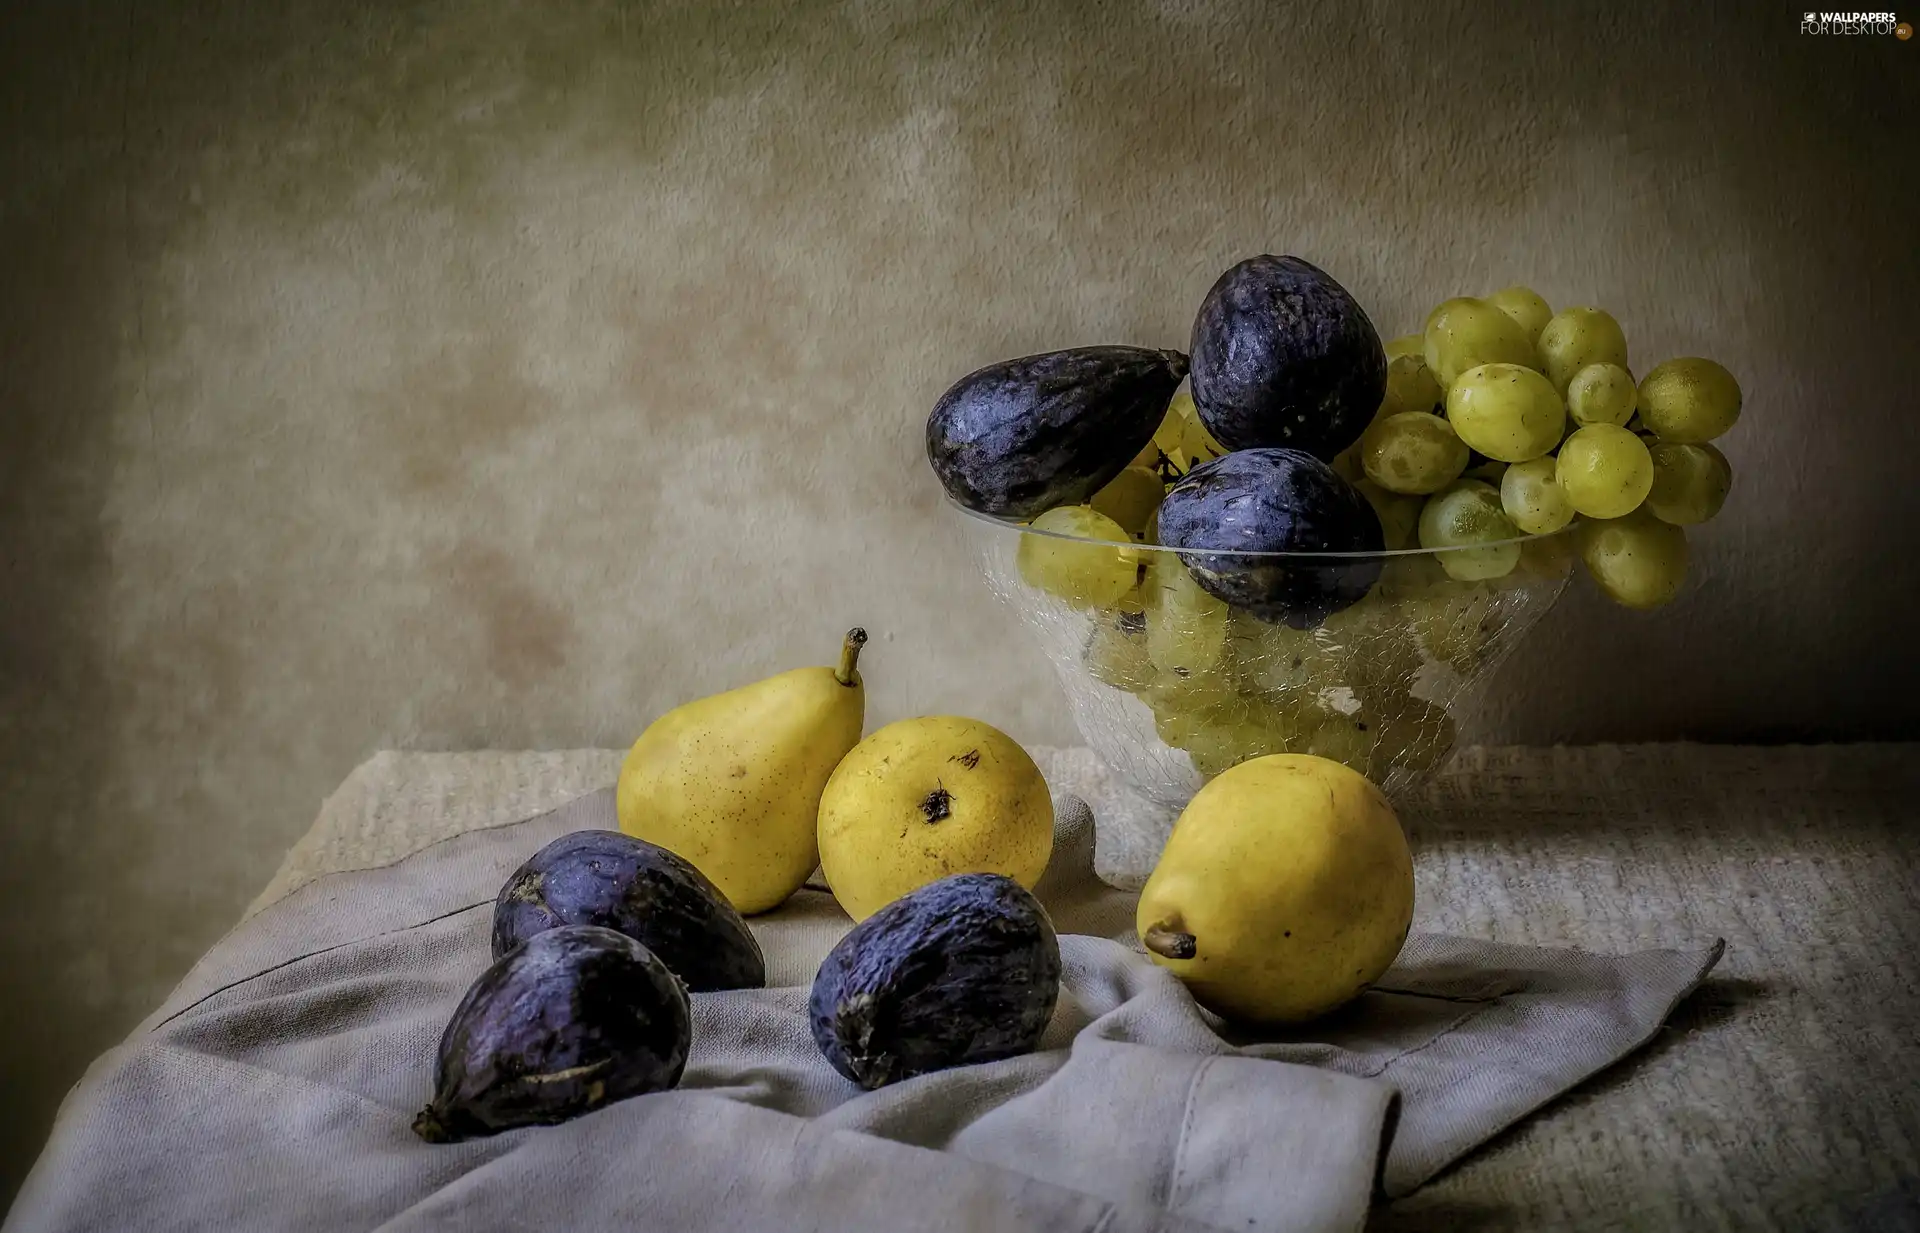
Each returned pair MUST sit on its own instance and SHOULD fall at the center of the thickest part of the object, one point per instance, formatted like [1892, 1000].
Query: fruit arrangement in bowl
[1298, 539]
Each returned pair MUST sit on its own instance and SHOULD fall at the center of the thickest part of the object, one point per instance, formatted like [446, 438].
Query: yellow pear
[1284, 890]
[925, 798]
[732, 782]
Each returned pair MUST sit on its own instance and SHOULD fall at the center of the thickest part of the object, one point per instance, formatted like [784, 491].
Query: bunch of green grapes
[1504, 419]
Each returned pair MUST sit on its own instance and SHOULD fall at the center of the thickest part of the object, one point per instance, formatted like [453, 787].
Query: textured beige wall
[444, 375]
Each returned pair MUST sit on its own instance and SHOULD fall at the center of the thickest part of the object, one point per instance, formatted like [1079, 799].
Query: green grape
[1213, 750]
[1225, 740]
[1465, 514]
[1638, 560]
[1290, 719]
[1689, 401]
[1236, 707]
[1292, 675]
[1505, 411]
[1189, 690]
[1182, 442]
[1222, 734]
[1186, 627]
[1412, 452]
[1605, 471]
[1465, 333]
[1410, 577]
[1410, 736]
[1531, 495]
[1455, 623]
[1406, 344]
[1182, 706]
[1376, 647]
[1179, 722]
[1410, 387]
[1175, 727]
[1525, 307]
[1285, 725]
[1085, 575]
[1130, 499]
[1601, 394]
[1268, 658]
[1197, 444]
[1399, 514]
[1576, 338]
[1545, 559]
[1690, 483]
[1343, 738]
[1169, 457]
[1116, 652]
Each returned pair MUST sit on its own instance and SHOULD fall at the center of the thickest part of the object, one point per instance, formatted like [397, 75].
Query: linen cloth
[274, 1089]
[1782, 1097]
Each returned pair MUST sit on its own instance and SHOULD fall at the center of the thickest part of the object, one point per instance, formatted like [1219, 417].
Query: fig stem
[850, 655]
[1170, 943]
[429, 1127]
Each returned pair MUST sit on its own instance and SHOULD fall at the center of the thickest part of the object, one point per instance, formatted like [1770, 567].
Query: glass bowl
[1169, 687]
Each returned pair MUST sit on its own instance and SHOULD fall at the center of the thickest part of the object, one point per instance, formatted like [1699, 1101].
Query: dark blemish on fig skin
[525, 889]
[969, 759]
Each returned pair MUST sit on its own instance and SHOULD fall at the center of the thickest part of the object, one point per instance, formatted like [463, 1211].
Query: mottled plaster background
[486, 373]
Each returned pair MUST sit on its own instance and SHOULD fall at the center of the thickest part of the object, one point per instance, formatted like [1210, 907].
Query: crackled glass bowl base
[1170, 687]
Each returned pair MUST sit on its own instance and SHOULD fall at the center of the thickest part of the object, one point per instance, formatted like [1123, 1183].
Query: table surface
[1784, 1095]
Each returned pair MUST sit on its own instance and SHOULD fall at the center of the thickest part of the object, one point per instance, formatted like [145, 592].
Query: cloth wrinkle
[1176, 1176]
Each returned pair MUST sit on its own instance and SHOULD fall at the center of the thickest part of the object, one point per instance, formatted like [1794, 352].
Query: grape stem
[850, 655]
[1170, 943]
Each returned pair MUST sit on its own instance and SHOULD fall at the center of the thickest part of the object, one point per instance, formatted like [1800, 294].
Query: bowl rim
[1241, 554]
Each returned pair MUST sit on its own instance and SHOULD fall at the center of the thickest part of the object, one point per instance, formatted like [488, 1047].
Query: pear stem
[850, 655]
[1170, 943]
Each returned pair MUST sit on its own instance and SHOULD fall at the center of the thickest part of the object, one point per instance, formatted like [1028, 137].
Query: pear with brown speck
[924, 799]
